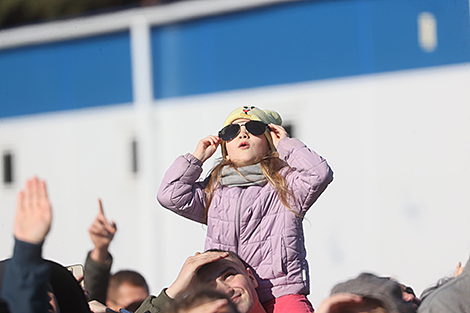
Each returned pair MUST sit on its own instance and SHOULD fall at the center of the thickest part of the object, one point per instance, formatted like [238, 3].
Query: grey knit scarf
[250, 175]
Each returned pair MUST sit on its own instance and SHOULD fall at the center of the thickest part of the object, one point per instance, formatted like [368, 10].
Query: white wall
[398, 144]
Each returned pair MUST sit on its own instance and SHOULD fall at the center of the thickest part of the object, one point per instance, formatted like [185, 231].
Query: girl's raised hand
[277, 133]
[207, 147]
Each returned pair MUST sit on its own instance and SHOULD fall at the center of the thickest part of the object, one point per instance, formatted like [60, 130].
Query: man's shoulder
[450, 297]
[156, 304]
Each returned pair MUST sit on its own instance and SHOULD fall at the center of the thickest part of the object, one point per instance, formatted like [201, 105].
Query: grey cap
[383, 289]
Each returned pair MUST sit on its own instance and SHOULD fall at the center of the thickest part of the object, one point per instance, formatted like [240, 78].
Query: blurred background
[100, 97]
[14, 13]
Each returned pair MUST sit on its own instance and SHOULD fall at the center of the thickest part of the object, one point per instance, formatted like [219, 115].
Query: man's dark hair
[383, 289]
[127, 276]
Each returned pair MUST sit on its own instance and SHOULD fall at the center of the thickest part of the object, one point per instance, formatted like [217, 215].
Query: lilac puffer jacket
[252, 221]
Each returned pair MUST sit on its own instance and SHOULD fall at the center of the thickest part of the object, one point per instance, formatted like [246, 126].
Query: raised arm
[26, 280]
[179, 191]
[310, 173]
[186, 279]
[183, 284]
[99, 260]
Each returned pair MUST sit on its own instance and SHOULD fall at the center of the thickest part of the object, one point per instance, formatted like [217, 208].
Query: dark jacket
[97, 278]
[26, 278]
[152, 304]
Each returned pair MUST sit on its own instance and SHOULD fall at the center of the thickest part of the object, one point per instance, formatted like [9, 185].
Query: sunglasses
[253, 127]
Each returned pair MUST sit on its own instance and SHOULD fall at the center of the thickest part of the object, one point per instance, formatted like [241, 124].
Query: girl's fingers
[214, 140]
[278, 131]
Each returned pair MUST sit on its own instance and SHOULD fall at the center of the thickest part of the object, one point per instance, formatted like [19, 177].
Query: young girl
[254, 200]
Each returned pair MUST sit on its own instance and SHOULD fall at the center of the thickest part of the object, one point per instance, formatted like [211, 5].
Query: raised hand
[33, 216]
[186, 279]
[101, 233]
[459, 269]
[98, 307]
[207, 147]
[277, 133]
[340, 303]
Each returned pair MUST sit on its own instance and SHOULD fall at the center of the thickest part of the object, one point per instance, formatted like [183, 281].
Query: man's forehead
[213, 270]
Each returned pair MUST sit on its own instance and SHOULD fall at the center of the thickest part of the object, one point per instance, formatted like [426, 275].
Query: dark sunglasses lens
[255, 127]
[229, 132]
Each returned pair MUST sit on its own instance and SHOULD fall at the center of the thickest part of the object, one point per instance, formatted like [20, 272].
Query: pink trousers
[289, 304]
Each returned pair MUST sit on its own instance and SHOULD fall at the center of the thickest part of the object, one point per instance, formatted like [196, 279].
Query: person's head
[203, 300]
[245, 135]
[350, 303]
[64, 292]
[69, 295]
[247, 141]
[387, 292]
[234, 278]
[370, 305]
[127, 289]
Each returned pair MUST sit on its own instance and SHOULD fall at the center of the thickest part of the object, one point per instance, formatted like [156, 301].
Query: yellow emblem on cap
[245, 112]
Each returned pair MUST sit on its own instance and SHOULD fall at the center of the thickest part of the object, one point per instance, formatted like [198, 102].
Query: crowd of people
[253, 203]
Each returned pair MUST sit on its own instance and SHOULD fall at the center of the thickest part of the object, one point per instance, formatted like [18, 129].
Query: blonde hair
[271, 164]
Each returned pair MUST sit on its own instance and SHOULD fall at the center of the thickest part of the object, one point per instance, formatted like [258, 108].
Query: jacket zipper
[237, 220]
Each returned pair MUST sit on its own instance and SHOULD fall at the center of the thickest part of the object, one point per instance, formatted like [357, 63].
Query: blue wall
[284, 43]
[66, 75]
[303, 41]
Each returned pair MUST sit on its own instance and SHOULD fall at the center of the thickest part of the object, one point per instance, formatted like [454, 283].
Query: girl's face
[246, 149]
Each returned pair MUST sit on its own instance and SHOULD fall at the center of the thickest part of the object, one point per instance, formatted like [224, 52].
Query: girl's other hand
[277, 133]
[206, 147]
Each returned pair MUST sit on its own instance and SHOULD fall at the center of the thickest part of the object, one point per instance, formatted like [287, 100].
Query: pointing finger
[101, 207]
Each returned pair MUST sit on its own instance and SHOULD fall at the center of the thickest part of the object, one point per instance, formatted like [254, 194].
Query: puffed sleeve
[179, 191]
[310, 173]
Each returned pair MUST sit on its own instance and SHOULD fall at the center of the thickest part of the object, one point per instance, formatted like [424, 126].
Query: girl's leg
[289, 304]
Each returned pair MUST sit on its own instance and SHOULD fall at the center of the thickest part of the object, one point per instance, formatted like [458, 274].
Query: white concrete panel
[398, 144]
